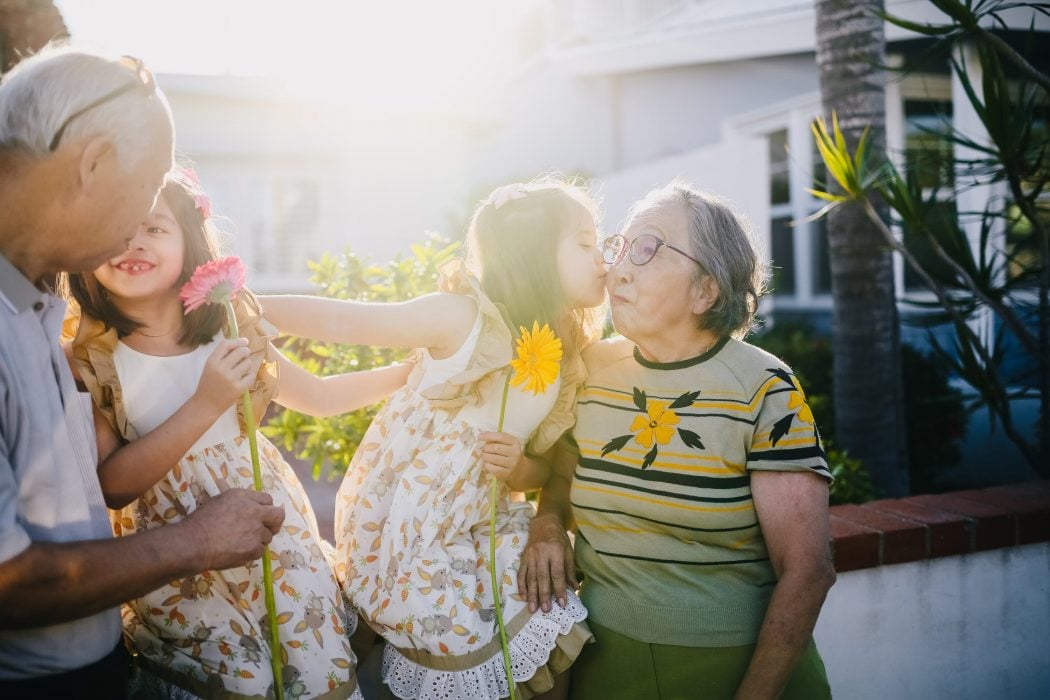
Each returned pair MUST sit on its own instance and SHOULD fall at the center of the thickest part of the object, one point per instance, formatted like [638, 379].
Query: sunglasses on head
[143, 81]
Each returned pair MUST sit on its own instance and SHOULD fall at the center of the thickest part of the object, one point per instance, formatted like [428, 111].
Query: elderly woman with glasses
[694, 477]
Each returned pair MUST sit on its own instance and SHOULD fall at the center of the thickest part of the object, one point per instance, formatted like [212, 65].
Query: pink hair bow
[201, 201]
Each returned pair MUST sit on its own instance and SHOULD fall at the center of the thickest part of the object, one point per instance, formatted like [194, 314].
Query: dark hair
[199, 245]
[512, 243]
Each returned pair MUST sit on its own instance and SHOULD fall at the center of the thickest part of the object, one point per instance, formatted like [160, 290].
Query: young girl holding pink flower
[165, 384]
[413, 513]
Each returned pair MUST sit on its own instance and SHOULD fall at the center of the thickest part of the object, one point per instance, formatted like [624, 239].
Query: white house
[718, 92]
[293, 174]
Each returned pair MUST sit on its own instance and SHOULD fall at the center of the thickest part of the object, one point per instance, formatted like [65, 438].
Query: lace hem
[530, 650]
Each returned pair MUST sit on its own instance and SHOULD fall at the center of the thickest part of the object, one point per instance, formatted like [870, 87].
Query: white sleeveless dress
[205, 635]
[412, 536]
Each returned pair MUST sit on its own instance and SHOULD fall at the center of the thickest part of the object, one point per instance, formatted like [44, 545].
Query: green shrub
[852, 480]
[331, 442]
[934, 413]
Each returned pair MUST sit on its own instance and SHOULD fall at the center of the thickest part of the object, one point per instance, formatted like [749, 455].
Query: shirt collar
[16, 291]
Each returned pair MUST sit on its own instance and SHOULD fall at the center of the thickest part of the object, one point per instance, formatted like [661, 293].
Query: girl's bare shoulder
[605, 352]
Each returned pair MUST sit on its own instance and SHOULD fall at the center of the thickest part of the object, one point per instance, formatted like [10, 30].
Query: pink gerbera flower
[214, 282]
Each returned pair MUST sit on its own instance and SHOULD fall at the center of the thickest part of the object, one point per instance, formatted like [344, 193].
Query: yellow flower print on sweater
[656, 426]
[798, 400]
[659, 424]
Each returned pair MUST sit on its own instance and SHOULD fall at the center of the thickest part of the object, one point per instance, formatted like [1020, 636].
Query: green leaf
[616, 444]
[685, 399]
[690, 438]
[926, 29]
[827, 196]
[781, 428]
[639, 399]
[650, 457]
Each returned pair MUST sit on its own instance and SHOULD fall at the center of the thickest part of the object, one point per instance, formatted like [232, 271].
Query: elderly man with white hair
[85, 142]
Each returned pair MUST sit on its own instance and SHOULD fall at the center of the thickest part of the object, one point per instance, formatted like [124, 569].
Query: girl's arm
[439, 322]
[328, 396]
[126, 471]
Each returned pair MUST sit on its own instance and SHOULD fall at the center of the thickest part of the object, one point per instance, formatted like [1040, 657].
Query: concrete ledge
[894, 531]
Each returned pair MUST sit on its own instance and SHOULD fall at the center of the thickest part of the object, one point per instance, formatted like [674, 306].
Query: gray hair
[39, 94]
[722, 240]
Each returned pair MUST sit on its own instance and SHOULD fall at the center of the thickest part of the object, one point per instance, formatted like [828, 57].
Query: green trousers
[617, 667]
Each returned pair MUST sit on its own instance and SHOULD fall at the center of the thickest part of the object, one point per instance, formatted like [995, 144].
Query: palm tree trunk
[869, 413]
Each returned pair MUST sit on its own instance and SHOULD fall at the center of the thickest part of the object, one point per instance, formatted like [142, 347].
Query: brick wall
[895, 531]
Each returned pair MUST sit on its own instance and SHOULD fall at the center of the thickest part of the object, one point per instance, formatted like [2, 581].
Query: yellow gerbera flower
[659, 424]
[798, 400]
[538, 360]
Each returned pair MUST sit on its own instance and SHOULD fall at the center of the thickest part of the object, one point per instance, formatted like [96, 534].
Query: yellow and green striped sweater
[667, 535]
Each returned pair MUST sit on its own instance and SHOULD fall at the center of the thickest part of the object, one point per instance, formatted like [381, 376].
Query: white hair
[39, 94]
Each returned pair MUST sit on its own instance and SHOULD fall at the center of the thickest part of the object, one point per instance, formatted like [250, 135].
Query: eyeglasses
[640, 251]
[143, 81]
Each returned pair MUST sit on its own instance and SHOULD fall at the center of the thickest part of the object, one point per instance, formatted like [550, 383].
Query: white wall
[735, 169]
[973, 626]
[551, 121]
[600, 125]
[670, 111]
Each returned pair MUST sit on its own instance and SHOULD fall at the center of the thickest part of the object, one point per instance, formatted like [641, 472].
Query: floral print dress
[206, 635]
[412, 525]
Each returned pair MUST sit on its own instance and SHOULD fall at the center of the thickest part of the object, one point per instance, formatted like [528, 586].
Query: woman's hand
[229, 372]
[546, 566]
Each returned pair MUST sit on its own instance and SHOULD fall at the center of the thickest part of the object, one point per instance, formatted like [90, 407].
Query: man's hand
[547, 566]
[233, 528]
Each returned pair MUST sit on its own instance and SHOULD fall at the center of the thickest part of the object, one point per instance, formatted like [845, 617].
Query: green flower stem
[253, 446]
[493, 494]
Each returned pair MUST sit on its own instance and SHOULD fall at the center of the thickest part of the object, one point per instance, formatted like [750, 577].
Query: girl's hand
[228, 373]
[501, 455]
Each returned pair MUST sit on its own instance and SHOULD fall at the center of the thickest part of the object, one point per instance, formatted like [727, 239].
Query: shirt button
[39, 306]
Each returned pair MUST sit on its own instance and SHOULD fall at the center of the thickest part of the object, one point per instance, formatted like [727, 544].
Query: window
[800, 269]
[818, 232]
[296, 212]
[1022, 252]
[1022, 255]
[282, 217]
[926, 148]
[782, 235]
[928, 156]
[779, 177]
